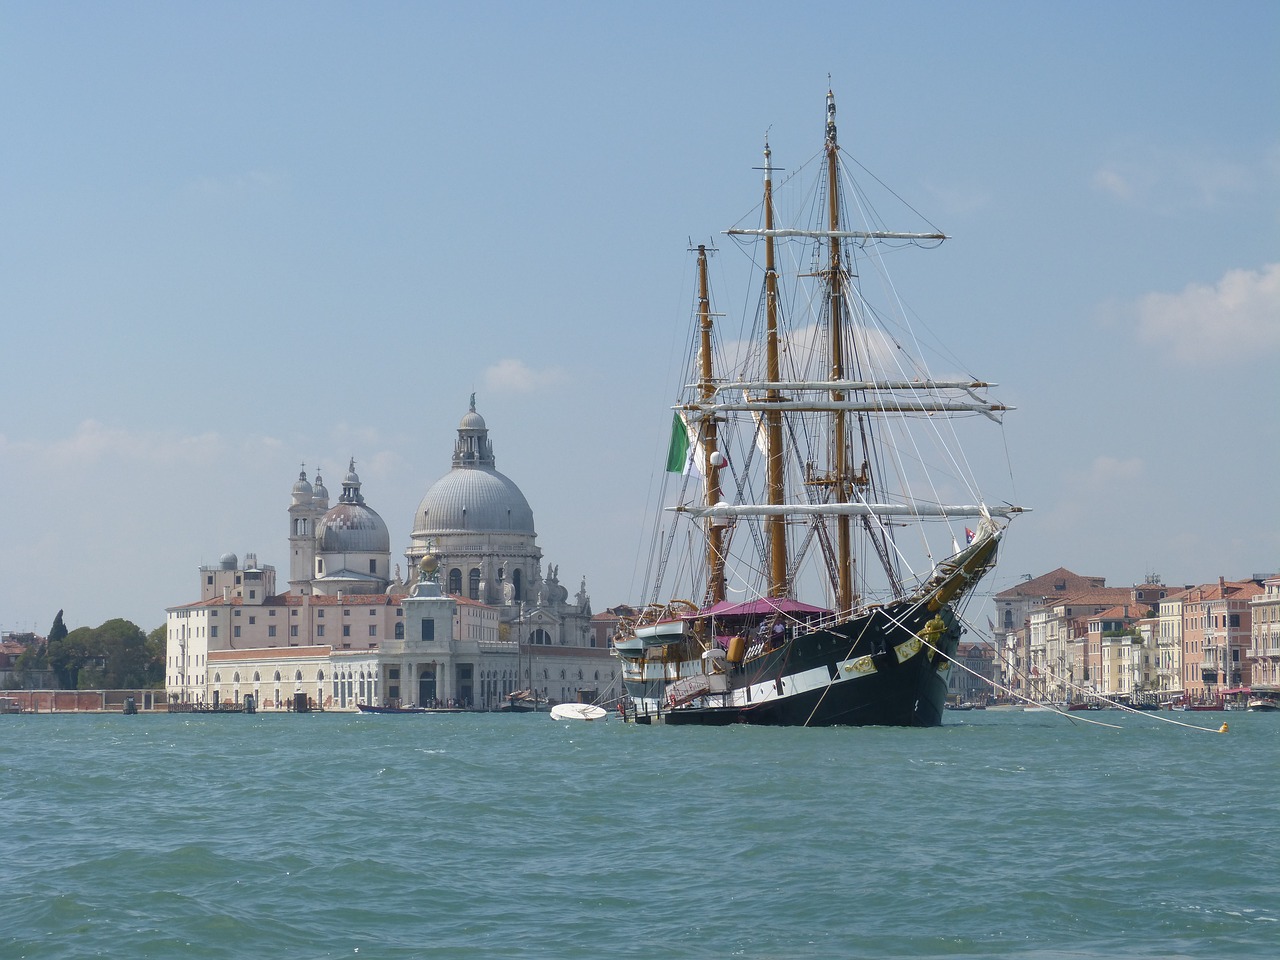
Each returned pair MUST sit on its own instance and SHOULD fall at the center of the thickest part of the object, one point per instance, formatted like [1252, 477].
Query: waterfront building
[1012, 630]
[1217, 638]
[973, 683]
[1264, 644]
[1066, 660]
[1116, 650]
[1170, 682]
[475, 621]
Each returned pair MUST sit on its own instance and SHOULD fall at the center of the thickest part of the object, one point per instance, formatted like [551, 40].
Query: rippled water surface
[299, 837]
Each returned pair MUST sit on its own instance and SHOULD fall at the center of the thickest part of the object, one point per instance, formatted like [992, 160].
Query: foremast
[839, 457]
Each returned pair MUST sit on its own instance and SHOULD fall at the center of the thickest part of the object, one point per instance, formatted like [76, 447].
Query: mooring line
[1052, 708]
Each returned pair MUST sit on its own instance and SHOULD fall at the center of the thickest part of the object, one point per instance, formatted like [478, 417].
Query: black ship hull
[887, 667]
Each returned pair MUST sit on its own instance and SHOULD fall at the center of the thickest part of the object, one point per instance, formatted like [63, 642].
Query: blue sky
[239, 237]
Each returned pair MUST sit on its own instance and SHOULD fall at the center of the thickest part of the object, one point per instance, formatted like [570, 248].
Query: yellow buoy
[1223, 728]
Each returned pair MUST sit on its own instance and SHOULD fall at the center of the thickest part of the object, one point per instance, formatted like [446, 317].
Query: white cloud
[1237, 318]
[93, 443]
[1114, 183]
[1106, 473]
[514, 376]
[1170, 179]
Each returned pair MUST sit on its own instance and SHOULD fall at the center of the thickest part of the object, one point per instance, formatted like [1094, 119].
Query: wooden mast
[775, 525]
[710, 462]
[839, 455]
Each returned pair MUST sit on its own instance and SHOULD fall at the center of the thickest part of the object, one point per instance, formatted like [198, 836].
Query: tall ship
[822, 532]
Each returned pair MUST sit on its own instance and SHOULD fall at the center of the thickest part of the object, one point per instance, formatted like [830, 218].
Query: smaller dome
[471, 421]
[301, 488]
[352, 528]
[320, 493]
[228, 561]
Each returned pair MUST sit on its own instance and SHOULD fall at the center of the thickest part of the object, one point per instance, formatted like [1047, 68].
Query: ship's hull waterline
[871, 670]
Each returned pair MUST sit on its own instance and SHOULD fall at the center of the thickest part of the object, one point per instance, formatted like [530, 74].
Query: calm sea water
[299, 837]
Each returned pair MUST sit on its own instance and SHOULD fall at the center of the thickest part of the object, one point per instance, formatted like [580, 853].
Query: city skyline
[237, 240]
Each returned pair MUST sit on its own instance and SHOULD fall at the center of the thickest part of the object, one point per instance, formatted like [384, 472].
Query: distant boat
[802, 443]
[523, 701]
[578, 711]
[1264, 704]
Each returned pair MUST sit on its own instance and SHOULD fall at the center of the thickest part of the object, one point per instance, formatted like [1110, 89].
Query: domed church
[481, 621]
[479, 525]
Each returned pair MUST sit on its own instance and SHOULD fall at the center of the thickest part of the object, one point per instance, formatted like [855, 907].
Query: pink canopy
[761, 607]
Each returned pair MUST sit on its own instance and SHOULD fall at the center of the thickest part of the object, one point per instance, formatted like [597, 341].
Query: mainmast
[839, 453]
[776, 526]
[710, 461]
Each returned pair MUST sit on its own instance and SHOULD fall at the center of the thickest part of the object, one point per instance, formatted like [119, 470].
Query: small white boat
[578, 711]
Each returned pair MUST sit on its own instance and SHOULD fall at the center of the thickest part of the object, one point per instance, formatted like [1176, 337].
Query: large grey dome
[475, 499]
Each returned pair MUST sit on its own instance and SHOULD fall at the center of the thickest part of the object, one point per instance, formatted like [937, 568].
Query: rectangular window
[237, 613]
[346, 630]
[320, 630]
[320, 614]
[428, 628]
[373, 629]
[253, 594]
[346, 611]
[373, 612]
[236, 632]
[271, 613]
[373, 566]
[213, 631]
[253, 620]
[293, 629]
[271, 630]
[293, 613]
[209, 581]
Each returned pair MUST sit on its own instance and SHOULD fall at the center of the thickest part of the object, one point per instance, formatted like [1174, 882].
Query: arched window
[277, 676]
[256, 677]
[399, 629]
[1008, 618]
[473, 583]
[540, 636]
[455, 581]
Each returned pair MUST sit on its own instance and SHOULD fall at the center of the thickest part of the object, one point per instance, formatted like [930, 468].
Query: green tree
[59, 629]
[116, 655]
[69, 654]
[127, 658]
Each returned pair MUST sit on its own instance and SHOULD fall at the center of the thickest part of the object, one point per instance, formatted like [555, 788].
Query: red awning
[761, 607]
